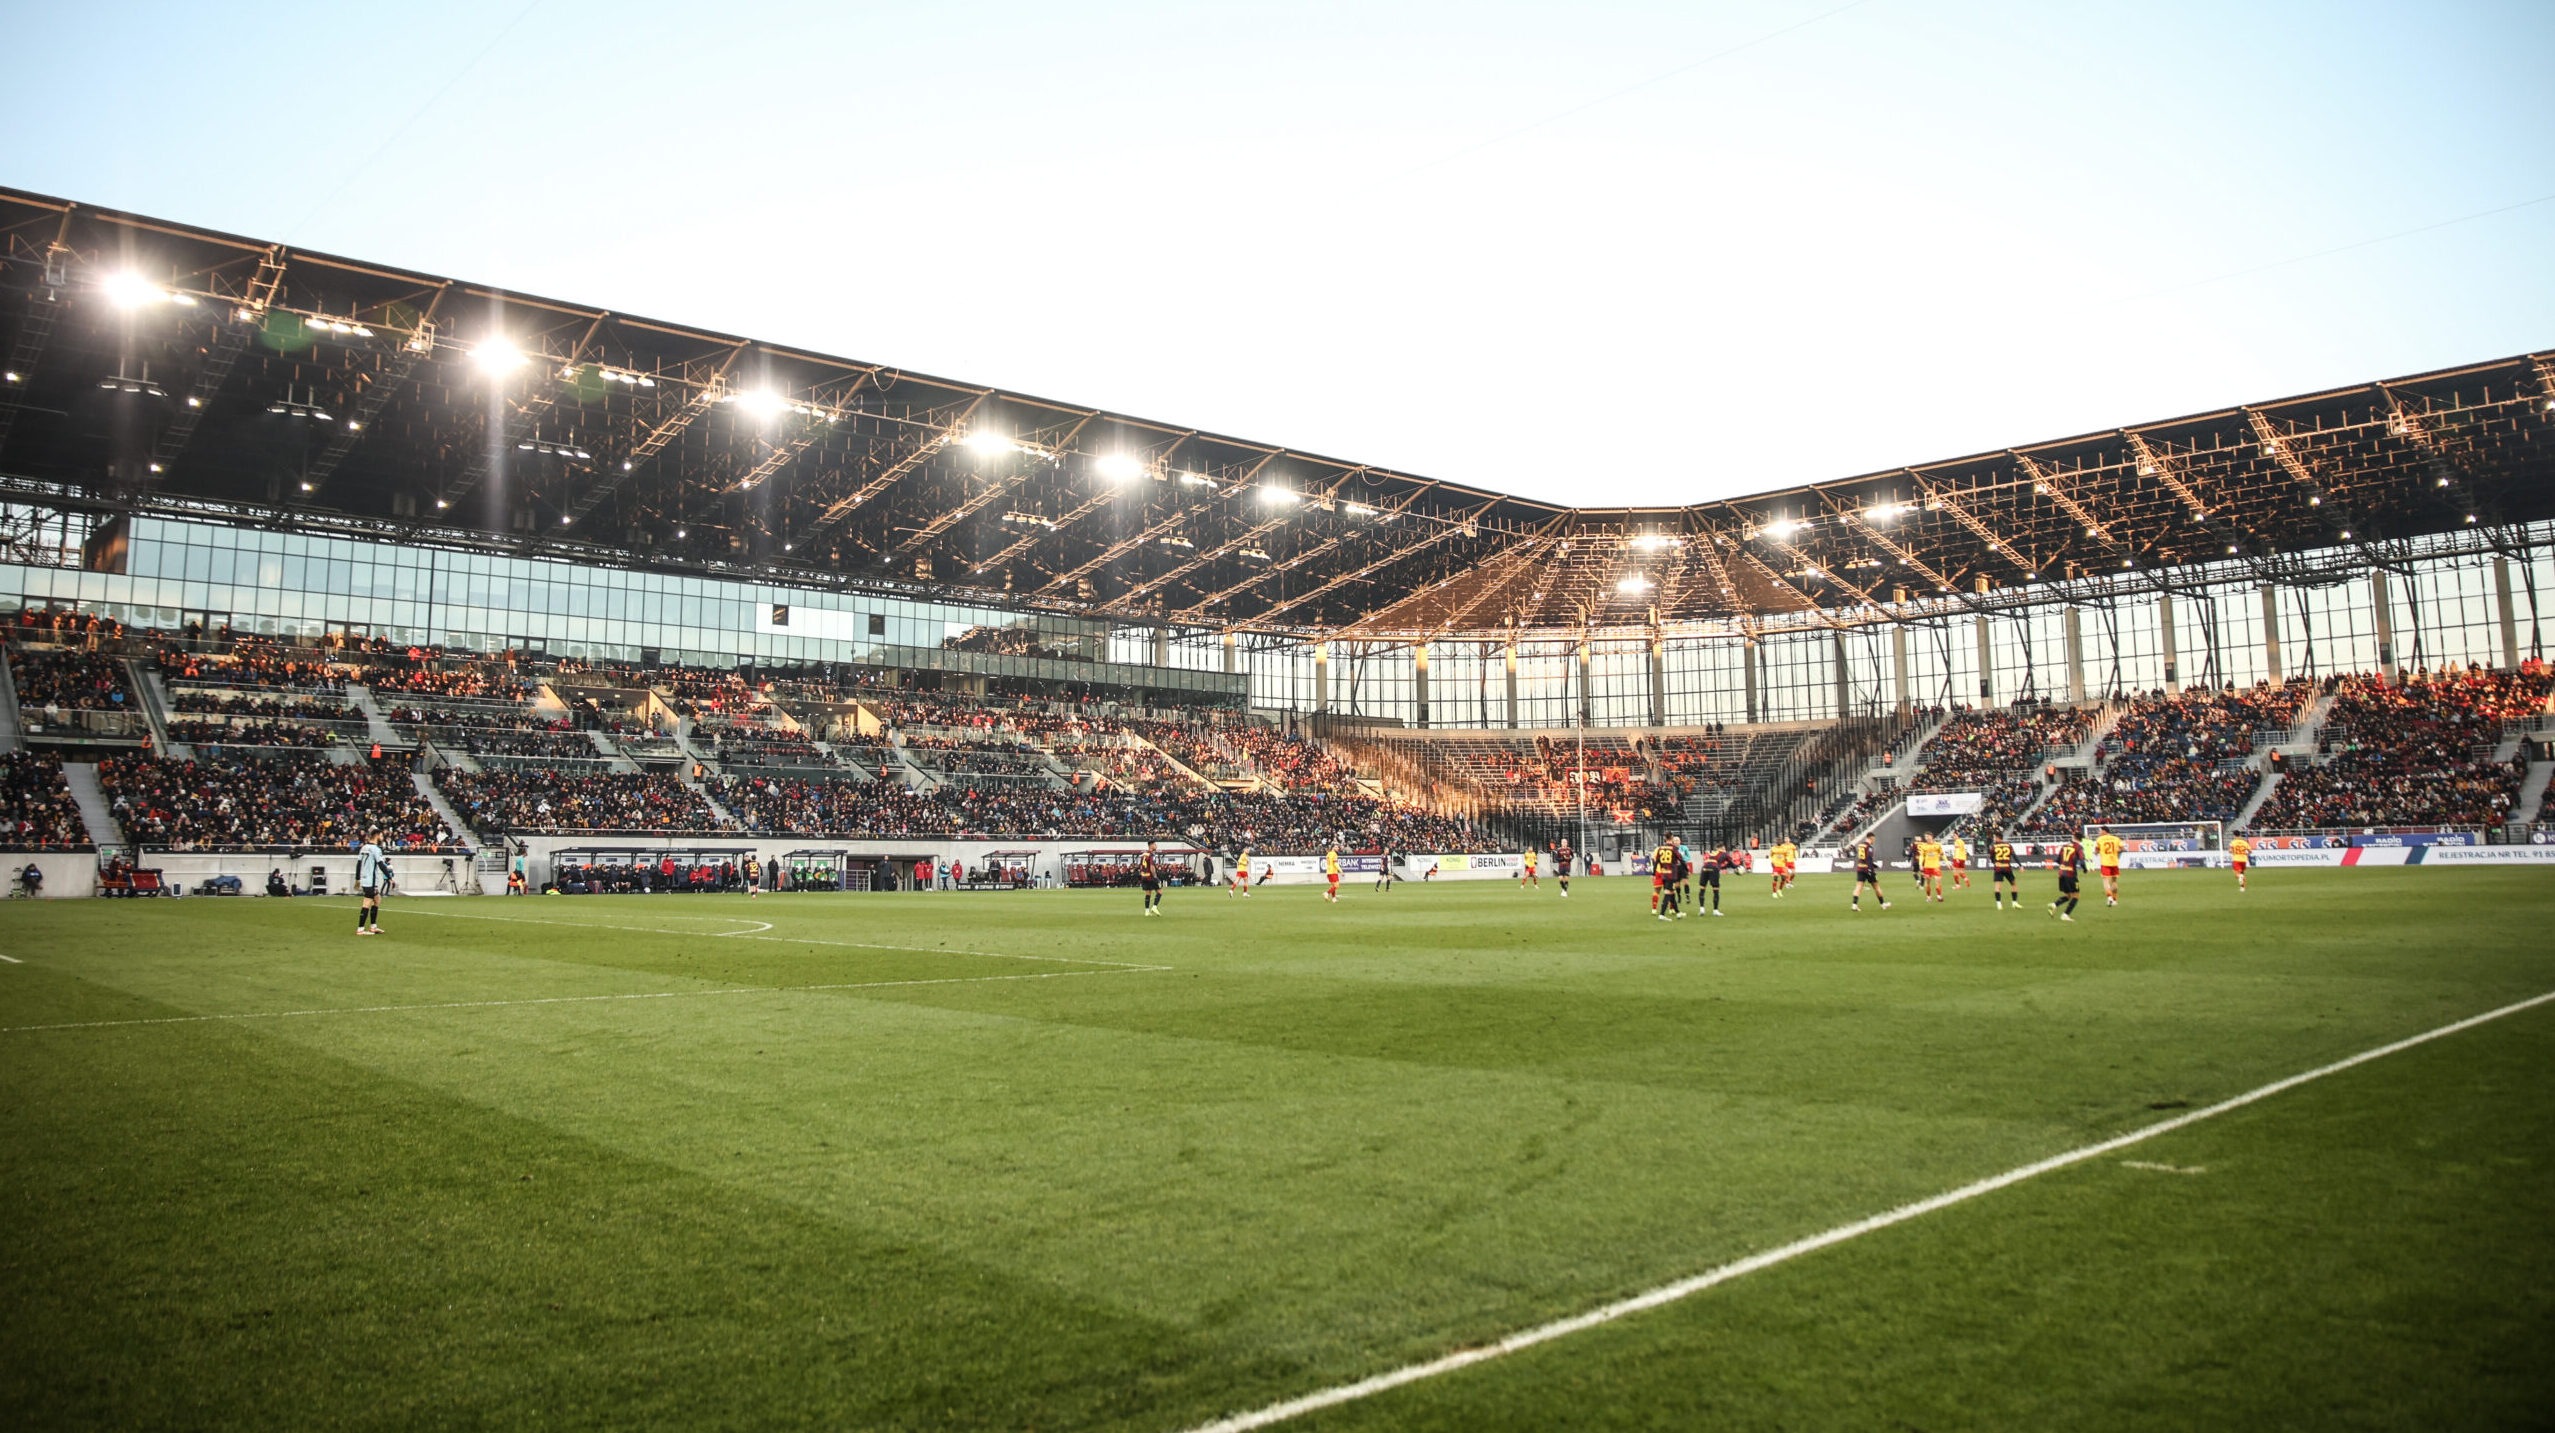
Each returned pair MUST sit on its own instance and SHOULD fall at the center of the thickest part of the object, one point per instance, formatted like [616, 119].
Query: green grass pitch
[634, 1162]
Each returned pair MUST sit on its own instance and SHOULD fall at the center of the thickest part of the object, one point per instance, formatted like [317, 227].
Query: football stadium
[576, 869]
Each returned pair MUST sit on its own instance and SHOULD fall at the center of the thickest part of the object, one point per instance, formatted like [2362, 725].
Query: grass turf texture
[885, 1181]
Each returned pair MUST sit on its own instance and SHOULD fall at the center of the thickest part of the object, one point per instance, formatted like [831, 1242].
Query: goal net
[2164, 841]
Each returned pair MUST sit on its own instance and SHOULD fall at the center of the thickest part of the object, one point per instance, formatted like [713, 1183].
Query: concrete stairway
[726, 817]
[13, 736]
[2262, 794]
[152, 696]
[95, 813]
[452, 818]
[377, 728]
[2310, 724]
[2532, 799]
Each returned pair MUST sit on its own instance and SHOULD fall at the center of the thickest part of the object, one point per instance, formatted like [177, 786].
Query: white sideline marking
[570, 999]
[13, 960]
[2164, 1168]
[757, 933]
[1684, 1288]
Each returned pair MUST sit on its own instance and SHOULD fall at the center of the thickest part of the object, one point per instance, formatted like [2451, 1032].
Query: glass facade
[303, 586]
[2426, 612]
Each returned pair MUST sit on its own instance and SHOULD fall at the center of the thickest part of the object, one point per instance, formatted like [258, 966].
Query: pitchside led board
[1944, 803]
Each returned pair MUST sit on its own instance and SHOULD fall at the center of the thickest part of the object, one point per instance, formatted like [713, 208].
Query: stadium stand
[295, 800]
[2415, 753]
[37, 812]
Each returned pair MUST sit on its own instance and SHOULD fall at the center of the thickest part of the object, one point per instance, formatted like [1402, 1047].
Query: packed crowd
[477, 682]
[526, 800]
[68, 682]
[252, 663]
[282, 801]
[2415, 754]
[1278, 825]
[698, 692]
[200, 731]
[233, 704]
[37, 812]
[491, 718]
[1297, 763]
[544, 743]
[847, 807]
[1976, 747]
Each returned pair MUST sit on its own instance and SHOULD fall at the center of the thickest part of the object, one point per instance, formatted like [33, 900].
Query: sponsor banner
[2420, 838]
[2298, 855]
[2487, 855]
[2130, 844]
[1458, 867]
[1944, 803]
[2167, 856]
[2298, 843]
[1507, 864]
[1297, 870]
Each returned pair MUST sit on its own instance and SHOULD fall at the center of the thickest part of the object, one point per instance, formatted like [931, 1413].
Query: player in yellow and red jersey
[1782, 858]
[1331, 872]
[2107, 855]
[2240, 851]
[1929, 865]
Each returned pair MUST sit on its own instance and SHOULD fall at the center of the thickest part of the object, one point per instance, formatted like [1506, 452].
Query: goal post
[2165, 843]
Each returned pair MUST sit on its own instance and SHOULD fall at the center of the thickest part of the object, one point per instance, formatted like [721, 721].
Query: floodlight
[564, 519]
[306, 487]
[987, 441]
[13, 376]
[2346, 534]
[1634, 583]
[439, 502]
[1187, 480]
[498, 355]
[129, 290]
[1282, 497]
[1118, 467]
[761, 402]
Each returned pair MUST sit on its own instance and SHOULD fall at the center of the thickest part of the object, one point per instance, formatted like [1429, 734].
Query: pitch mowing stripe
[761, 926]
[571, 999]
[1684, 1288]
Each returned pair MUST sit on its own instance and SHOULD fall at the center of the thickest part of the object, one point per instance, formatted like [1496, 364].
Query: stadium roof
[159, 367]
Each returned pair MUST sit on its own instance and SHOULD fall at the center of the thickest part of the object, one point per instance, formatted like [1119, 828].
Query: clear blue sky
[1576, 251]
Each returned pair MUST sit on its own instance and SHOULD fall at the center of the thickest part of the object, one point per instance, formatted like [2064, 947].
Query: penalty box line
[1685, 1288]
[570, 999]
[761, 926]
